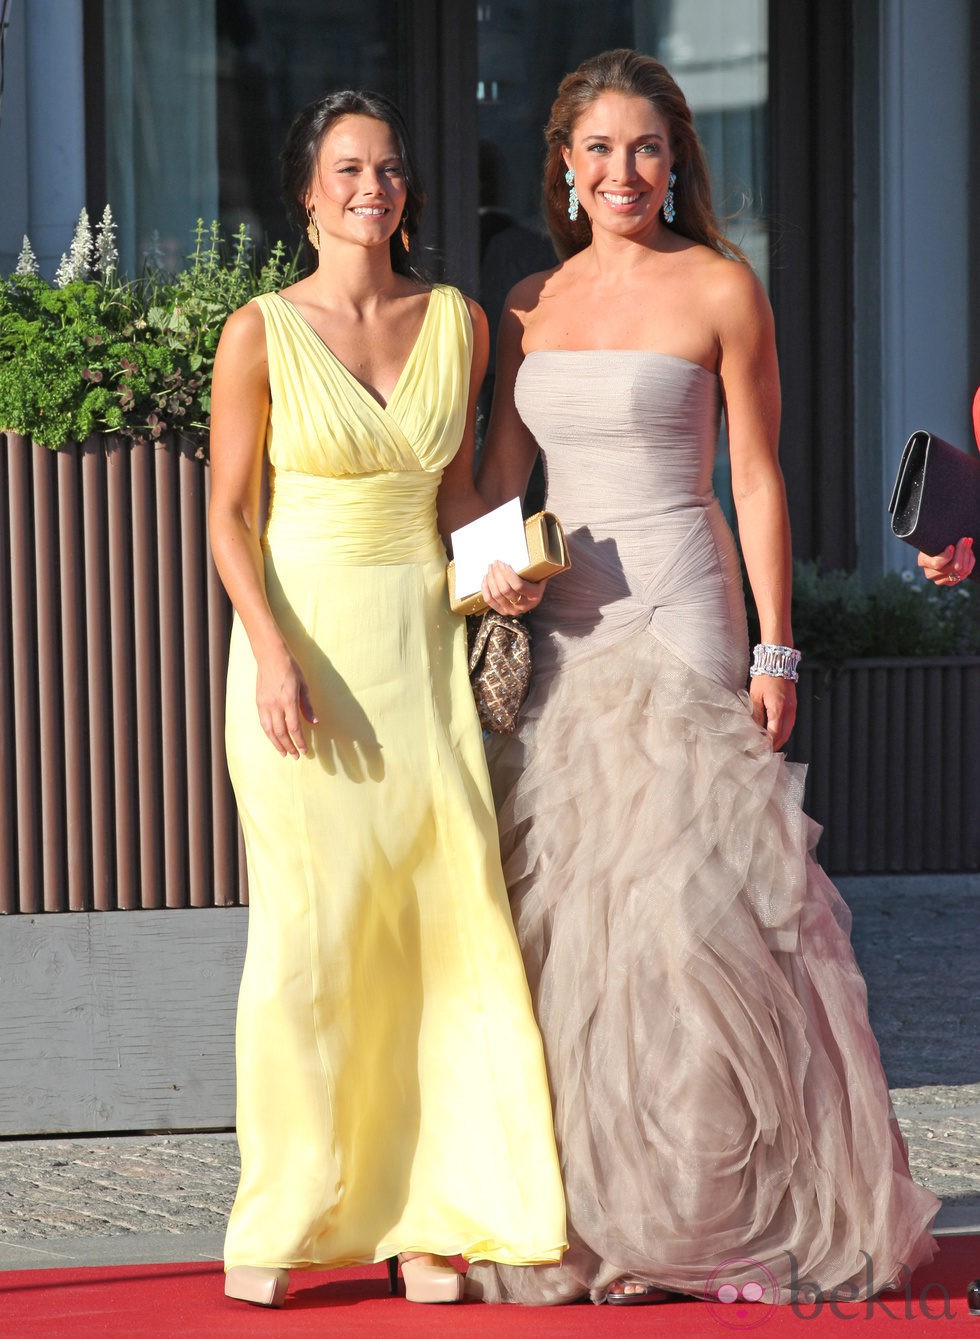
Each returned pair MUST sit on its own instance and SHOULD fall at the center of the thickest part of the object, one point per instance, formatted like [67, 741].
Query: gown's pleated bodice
[391, 1085]
[633, 490]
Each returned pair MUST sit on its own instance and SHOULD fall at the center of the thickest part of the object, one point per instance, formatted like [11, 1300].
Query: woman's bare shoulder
[250, 317]
[478, 317]
[242, 349]
[728, 292]
[733, 278]
[245, 328]
[527, 292]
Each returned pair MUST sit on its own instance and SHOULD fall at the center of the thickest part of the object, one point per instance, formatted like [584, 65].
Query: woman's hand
[952, 565]
[774, 706]
[509, 593]
[283, 700]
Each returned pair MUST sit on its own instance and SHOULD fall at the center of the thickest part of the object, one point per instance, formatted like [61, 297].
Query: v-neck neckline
[367, 392]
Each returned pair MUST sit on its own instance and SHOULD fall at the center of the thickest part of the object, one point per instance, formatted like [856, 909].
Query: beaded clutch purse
[500, 668]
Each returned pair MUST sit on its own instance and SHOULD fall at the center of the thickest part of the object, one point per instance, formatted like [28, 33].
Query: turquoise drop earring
[572, 195]
[668, 206]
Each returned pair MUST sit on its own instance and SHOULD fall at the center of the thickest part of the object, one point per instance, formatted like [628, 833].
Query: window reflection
[198, 98]
[718, 52]
[716, 49]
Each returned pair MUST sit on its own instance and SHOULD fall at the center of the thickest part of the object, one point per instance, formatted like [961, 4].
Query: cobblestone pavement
[913, 938]
[101, 1187]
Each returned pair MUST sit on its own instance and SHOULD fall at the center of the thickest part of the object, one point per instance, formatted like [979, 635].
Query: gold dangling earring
[406, 240]
[312, 231]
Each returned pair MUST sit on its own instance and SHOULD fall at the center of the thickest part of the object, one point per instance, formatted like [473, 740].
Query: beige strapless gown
[720, 1106]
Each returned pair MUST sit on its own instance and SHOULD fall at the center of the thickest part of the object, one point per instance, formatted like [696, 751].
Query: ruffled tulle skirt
[721, 1110]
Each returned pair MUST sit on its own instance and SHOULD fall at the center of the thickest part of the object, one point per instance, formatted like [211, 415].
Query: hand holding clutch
[547, 555]
[936, 498]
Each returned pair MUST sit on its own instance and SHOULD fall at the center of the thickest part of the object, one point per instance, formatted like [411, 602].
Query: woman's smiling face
[358, 192]
[621, 155]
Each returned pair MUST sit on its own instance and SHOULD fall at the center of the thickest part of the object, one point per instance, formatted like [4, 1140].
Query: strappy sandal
[649, 1294]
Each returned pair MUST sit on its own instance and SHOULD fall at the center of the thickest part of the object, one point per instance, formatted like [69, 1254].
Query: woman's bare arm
[458, 501]
[750, 384]
[239, 416]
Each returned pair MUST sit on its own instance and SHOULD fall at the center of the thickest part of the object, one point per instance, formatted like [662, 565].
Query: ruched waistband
[356, 519]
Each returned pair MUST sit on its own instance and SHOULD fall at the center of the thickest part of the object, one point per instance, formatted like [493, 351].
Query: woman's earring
[403, 233]
[312, 231]
[669, 210]
[572, 195]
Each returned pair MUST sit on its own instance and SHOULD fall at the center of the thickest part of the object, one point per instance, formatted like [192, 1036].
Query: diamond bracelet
[779, 662]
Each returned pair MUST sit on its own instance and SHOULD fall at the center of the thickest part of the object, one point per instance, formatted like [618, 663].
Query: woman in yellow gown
[392, 1097]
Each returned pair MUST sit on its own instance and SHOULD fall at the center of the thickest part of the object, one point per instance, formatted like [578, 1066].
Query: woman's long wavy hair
[302, 148]
[636, 75]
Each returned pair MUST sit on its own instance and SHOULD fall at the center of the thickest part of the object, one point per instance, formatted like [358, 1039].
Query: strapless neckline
[621, 353]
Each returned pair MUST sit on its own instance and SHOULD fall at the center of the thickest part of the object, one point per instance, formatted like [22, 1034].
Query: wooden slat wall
[113, 649]
[893, 764]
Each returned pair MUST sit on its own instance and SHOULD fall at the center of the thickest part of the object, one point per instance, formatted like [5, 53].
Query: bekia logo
[741, 1294]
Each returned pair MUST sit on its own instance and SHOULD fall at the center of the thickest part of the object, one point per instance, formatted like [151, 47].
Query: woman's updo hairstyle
[635, 75]
[302, 148]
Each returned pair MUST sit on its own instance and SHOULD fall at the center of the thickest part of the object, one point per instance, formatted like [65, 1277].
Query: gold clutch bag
[547, 554]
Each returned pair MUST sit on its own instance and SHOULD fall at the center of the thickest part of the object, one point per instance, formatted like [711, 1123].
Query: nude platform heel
[425, 1281]
[263, 1287]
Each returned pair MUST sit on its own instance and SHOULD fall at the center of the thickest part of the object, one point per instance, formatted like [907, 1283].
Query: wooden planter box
[113, 645]
[894, 753]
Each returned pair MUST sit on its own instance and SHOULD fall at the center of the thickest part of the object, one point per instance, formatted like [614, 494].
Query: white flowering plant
[92, 353]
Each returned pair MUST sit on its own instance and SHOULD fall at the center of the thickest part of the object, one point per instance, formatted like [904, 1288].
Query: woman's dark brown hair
[636, 75]
[302, 148]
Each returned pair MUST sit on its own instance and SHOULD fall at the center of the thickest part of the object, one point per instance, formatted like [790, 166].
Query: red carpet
[185, 1302]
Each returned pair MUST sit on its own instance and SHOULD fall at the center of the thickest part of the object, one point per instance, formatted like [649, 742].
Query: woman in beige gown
[392, 1096]
[723, 1121]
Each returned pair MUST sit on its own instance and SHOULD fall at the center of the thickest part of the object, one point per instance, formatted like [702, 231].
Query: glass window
[199, 95]
[716, 49]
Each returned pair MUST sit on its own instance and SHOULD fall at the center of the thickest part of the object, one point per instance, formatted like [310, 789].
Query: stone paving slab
[130, 1248]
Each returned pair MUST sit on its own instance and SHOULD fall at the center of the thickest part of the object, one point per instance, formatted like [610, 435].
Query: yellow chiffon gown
[392, 1093]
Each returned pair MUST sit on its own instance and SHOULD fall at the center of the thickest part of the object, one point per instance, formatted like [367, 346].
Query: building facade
[843, 138]
[844, 142]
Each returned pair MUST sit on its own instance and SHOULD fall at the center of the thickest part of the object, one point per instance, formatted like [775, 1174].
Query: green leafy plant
[93, 353]
[836, 617]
